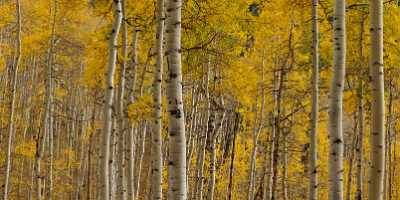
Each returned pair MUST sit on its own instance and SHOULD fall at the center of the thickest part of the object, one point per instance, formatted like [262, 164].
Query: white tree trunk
[121, 187]
[131, 150]
[50, 105]
[156, 164]
[176, 124]
[213, 158]
[130, 160]
[203, 141]
[360, 139]
[376, 171]
[257, 127]
[108, 104]
[336, 104]
[140, 157]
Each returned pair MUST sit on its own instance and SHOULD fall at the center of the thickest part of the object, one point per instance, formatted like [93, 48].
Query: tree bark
[335, 169]
[360, 140]
[176, 124]
[130, 146]
[257, 127]
[156, 164]
[376, 170]
[120, 161]
[313, 171]
[108, 104]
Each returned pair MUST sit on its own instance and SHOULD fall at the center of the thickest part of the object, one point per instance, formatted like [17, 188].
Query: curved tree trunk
[376, 171]
[109, 100]
[336, 104]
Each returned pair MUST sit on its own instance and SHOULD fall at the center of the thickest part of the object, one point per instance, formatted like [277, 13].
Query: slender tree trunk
[121, 187]
[202, 147]
[375, 187]
[156, 145]
[393, 194]
[351, 160]
[388, 141]
[112, 161]
[256, 130]
[231, 168]
[12, 102]
[140, 160]
[211, 184]
[130, 158]
[252, 164]
[278, 84]
[108, 104]
[268, 177]
[336, 104]
[50, 107]
[176, 123]
[313, 187]
[360, 141]
[285, 166]
[89, 155]
[40, 146]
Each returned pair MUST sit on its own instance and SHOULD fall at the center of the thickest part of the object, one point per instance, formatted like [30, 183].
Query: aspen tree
[351, 153]
[279, 85]
[202, 147]
[212, 168]
[336, 103]
[140, 158]
[376, 170]
[12, 102]
[156, 161]
[388, 151]
[257, 126]
[176, 124]
[313, 187]
[50, 106]
[360, 97]
[121, 189]
[109, 99]
[112, 160]
[271, 170]
[130, 157]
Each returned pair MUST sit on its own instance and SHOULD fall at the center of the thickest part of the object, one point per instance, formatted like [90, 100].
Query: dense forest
[199, 99]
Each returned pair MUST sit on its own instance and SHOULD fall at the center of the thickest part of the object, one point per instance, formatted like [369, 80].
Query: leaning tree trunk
[108, 104]
[156, 145]
[12, 102]
[375, 187]
[176, 123]
[313, 187]
[336, 103]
